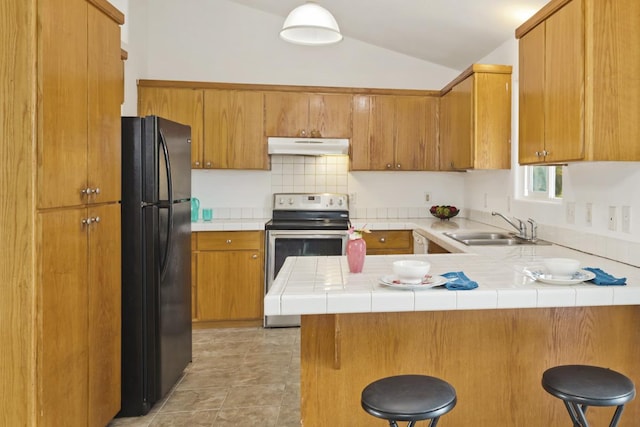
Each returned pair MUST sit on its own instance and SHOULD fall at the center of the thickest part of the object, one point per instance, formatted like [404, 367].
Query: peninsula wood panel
[493, 358]
[233, 130]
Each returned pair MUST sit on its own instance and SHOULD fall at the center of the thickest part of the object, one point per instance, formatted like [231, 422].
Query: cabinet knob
[97, 190]
[86, 221]
[86, 191]
[208, 164]
[197, 163]
[96, 219]
[303, 132]
[545, 152]
[398, 166]
[388, 165]
[228, 241]
[382, 240]
[254, 256]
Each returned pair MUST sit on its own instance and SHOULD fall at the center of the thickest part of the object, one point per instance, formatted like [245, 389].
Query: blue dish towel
[458, 281]
[605, 279]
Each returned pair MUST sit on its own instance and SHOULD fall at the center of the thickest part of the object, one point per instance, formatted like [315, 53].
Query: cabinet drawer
[229, 240]
[394, 241]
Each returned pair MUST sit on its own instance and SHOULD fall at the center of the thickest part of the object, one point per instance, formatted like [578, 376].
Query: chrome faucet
[520, 226]
[534, 229]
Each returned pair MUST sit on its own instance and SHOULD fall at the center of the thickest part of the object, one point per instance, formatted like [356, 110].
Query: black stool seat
[581, 386]
[409, 398]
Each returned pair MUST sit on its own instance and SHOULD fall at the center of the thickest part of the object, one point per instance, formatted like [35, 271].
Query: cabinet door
[564, 84]
[431, 139]
[180, 105]
[62, 136]
[411, 133]
[445, 153]
[372, 144]
[491, 134]
[104, 98]
[63, 318]
[330, 115]
[230, 285]
[286, 114]
[103, 282]
[233, 129]
[531, 96]
[461, 131]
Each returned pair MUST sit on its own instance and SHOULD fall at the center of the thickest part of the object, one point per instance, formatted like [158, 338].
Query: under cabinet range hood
[307, 146]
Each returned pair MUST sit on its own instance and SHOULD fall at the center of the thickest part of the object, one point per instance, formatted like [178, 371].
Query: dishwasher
[420, 243]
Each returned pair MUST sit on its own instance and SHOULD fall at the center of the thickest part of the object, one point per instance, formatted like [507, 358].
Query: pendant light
[311, 25]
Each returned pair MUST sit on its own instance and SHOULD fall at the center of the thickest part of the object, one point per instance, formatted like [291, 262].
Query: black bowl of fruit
[444, 212]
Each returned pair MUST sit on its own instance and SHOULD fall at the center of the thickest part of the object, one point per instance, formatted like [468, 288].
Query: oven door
[284, 243]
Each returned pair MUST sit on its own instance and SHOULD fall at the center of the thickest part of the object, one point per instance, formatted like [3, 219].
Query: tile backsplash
[306, 174]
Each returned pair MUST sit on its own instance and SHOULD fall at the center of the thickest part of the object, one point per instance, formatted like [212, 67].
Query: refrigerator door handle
[167, 162]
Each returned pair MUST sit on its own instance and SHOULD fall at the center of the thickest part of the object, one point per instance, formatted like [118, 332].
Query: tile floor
[239, 377]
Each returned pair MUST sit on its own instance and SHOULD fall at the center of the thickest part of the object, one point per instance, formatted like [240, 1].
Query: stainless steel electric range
[303, 224]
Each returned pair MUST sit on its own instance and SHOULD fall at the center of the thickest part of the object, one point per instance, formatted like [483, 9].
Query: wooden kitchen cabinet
[475, 119]
[579, 87]
[389, 242]
[79, 268]
[229, 278]
[306, 114]
[233, 130]
[394, 132]
[182, 105]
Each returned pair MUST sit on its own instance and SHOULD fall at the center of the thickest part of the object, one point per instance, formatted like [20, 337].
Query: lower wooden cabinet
[389, 242]
[229, 278]
[79, 312]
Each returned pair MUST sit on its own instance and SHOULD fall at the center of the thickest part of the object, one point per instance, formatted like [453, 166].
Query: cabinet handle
[97, 190]
[382, 240]
[398, 166]
[86, 191]
[303, 132]
[208, 164]
[545, 152]
[388, 165]
[86, 221]
[197, 163]
[254, 256]
[96, 219]
[228, 241]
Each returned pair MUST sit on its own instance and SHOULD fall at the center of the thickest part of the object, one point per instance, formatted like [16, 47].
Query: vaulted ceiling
[452, 33]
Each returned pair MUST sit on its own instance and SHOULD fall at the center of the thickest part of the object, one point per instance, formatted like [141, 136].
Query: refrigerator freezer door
[167, 160]
[174, 295]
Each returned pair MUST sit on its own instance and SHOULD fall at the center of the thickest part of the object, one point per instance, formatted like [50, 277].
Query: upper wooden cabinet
[307, 114]
[579, 85]
[233, 130]
[182, 105]
[394, 132]
[475, 119]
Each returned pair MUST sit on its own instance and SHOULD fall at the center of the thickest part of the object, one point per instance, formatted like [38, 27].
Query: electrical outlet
[571, 213]
[427, 196]
[588, 218]
[613, 221]
[626, 219]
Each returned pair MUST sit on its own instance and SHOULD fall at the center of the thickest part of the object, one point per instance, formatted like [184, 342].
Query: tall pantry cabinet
[60, 214]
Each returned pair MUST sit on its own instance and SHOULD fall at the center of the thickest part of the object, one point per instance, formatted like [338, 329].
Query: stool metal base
[409, 398]
[581, 386]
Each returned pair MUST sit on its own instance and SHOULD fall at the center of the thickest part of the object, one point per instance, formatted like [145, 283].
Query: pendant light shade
[311, 25]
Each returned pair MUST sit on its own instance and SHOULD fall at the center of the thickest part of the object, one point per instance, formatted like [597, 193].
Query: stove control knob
[330, 202]
[291, 200]
[340, 202]
[281, 201]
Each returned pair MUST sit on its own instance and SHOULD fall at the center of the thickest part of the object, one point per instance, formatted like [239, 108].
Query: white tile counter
[323, 285]
[250, 224]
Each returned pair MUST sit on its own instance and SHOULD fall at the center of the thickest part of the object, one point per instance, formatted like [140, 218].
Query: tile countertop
[252, 224]
[323, 285]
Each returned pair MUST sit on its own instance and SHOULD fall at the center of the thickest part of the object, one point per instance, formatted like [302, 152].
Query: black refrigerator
[156, 259]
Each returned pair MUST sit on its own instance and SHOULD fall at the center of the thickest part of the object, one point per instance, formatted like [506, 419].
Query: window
[543, 182]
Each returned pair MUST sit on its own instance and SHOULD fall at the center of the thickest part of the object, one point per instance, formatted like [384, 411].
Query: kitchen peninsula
[491, 343]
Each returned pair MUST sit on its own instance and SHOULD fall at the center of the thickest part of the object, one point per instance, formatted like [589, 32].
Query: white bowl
[561, 268]
[411, 271]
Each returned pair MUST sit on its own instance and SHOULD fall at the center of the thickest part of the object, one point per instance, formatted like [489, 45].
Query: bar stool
[581, 386]
[409, 398]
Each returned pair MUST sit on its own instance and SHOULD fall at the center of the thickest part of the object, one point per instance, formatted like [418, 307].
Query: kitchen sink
[489, 238]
